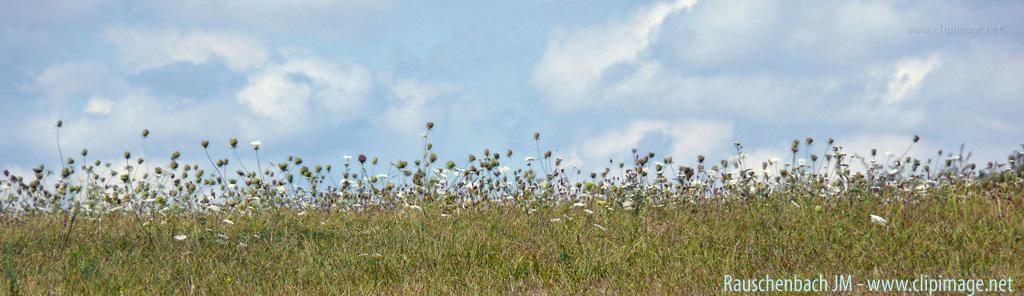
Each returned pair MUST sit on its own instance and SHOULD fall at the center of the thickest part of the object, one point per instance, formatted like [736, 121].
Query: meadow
[477, 226]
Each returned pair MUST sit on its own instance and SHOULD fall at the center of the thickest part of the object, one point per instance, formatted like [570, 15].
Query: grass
[481, 227]
[669, 249]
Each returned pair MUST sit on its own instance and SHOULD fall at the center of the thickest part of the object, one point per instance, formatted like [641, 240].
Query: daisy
[180, 237]
[256, 145]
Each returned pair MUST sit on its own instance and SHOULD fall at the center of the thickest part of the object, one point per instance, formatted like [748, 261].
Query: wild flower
[598, 226]
[180, 237]
[627, 204]
[228, 222]
[878, 220]
[256, 145]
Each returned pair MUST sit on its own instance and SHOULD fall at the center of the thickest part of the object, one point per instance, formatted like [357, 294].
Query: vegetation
[481, 227]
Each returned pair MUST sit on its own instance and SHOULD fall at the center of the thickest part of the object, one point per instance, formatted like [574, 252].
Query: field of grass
[557, 249]
[481, 227]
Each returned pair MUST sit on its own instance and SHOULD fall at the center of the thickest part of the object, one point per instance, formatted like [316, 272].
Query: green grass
[487, 249]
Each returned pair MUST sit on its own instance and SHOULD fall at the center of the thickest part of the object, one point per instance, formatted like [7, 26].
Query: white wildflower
[588, 211]
[774, 160]
[801, 162]
[628, 204]
[228, 222]
[180, 237]
[213, 208]
[415, 207]
[222, 236]
[256, 145]
[598, 226]
[556, 220]
[528, 159]
[579, 205]
[878, 220]
[300, 214]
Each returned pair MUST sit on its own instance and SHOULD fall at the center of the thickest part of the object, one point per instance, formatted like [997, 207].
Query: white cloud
[907, 77]
[99, 106]
[290, 92]
[410, 107]
[688, 138]
[168, 119]
[147, 49]
[574, 63]
[60, 80]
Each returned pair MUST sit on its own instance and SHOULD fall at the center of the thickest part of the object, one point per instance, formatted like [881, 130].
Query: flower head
[256, 145]
[180, 237]
[878, 220]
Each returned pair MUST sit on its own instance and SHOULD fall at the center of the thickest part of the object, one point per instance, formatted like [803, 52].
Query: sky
[324, 79]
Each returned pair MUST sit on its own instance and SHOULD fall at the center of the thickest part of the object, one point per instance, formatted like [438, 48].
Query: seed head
[85, 152]
[233, 142]
[145, 133]
[362, 158]
[430, 125]
[536, 136]
[917, 138]
[205, 143]
[60, 123]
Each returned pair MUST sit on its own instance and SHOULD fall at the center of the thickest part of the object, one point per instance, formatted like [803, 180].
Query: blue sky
[323, 79]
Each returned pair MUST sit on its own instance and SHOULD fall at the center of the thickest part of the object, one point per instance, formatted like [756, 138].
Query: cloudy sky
[322, 79]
